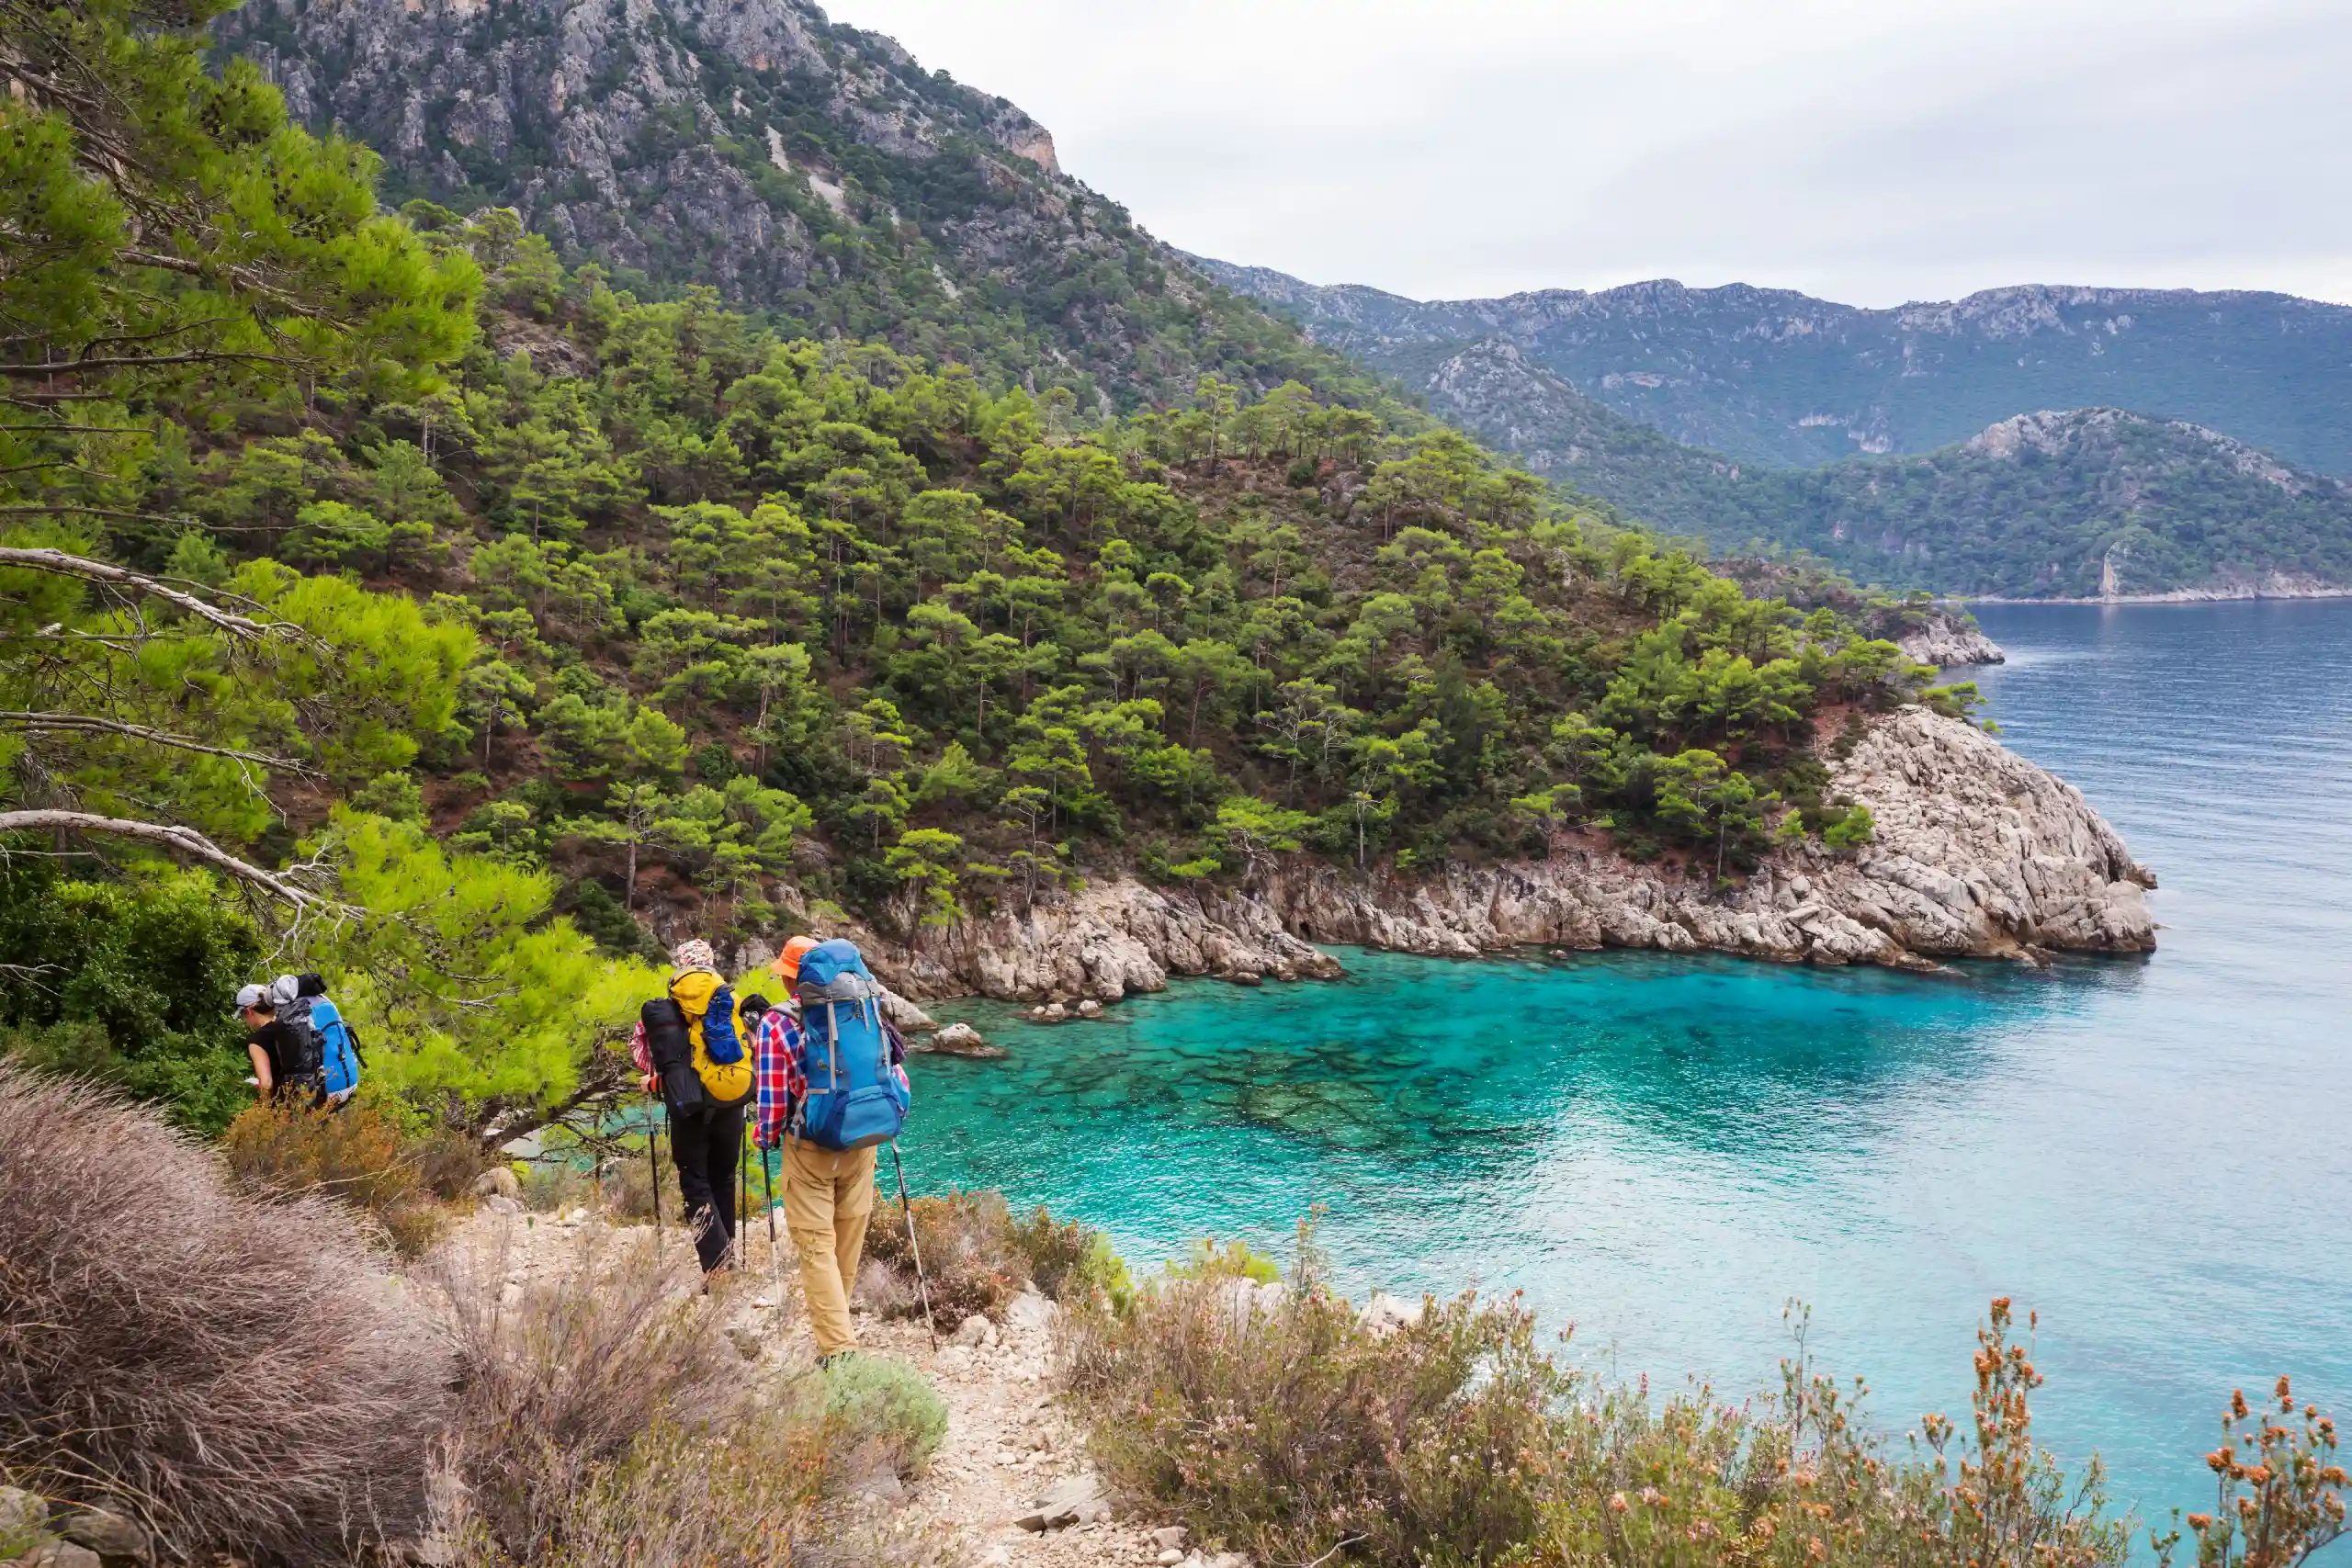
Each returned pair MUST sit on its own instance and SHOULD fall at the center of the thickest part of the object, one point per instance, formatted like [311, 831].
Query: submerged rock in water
[963, 1040]
[1977, 853]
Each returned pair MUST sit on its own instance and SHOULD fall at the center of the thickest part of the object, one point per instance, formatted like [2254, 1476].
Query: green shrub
[883, 1406]
[1852, 830]
[1071, 1260]
[128, 982]
[1300, 1433]
[1227, 1260]
[1297, 1432]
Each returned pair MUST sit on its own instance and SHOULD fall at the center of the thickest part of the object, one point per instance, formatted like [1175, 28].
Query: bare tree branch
[90, 724]
[184, 840]
[98, 571]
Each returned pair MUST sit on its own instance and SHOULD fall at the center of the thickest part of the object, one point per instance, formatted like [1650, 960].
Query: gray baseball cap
[252, 996]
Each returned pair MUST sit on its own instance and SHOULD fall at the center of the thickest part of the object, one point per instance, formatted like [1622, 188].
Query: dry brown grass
[971, 1253]
[606, 1422]
[238, 1373]
[560, 1385]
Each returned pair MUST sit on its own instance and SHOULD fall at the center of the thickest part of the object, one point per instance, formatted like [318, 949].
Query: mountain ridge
[2071, 503]
[1777, 376]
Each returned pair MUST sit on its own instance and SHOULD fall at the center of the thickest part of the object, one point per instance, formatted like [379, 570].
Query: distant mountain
[2039, 505]
[807, 170]
[1768, 375]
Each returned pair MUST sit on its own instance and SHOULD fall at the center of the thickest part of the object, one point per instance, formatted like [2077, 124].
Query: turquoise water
[2151, 1153]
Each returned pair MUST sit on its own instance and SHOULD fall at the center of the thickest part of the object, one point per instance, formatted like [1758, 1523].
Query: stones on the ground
[1030, 1313]
[1048, 1013]
[50, 1552]
[22, 1514]
[1090, 1008]
[1169, 1556]
[115, 1538]
[1385, 1313]
[1246, 978]
[746, 1340]
[1171, 1537]
[1073, 1500]
[498, 1181]
[976, 1332]
[500, 1204]
[881, 1485]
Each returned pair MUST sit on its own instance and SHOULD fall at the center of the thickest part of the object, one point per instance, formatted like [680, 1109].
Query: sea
[1679, 1160]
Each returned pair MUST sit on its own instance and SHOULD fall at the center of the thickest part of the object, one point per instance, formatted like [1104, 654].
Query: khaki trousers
[828, 1197]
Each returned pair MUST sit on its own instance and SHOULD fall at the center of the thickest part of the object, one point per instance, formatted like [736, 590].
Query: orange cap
[788, 963]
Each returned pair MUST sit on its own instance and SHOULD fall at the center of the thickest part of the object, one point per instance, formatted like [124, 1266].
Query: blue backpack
[302, 1003]
[341, 1047]
[855, 1101]
[720, 1041]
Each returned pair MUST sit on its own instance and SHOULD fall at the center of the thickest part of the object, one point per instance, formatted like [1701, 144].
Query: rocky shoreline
[1978, 854]
[2276, 587]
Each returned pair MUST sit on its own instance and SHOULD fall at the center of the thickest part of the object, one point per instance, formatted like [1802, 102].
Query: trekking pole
[776, 1263]
[654, 1170]
[913, 1246]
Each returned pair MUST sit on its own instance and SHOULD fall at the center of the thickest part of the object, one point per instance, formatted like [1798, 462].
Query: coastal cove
[1663, 1150]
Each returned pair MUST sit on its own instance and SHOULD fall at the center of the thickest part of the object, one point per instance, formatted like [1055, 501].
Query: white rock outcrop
[1978, 854]
[1945, 643]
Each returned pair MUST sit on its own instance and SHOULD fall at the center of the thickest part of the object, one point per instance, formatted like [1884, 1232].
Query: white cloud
[1869, 151]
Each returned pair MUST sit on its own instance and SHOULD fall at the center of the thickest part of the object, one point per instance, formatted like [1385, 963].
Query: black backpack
[305, 1055]
[670, 1042]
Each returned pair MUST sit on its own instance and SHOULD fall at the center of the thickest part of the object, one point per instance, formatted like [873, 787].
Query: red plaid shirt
[778, 1052]
[777, 1072]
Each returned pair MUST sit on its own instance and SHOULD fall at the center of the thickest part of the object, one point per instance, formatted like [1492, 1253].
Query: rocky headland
[1949, 642]
[1978, 854]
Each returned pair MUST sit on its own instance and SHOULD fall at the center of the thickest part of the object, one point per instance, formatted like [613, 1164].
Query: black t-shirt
[283, 1048]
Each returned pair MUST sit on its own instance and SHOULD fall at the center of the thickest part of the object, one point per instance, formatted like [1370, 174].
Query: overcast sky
[1869, 151]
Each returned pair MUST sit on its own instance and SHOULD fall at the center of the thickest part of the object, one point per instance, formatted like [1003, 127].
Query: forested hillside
[813, 173]
[421, 588]
[1773, 376]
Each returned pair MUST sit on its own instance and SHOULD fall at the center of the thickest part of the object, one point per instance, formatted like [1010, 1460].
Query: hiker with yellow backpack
[695, 1057]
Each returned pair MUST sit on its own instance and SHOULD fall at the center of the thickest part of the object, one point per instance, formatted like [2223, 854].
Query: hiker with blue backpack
[691, 1046]
[301, 1044]
[833, 1089]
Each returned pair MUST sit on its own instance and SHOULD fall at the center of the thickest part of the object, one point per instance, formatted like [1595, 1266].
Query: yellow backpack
[727, 1082]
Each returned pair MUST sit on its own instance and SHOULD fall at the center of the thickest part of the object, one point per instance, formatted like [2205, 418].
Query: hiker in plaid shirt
[776, 1070]
[828, 1195]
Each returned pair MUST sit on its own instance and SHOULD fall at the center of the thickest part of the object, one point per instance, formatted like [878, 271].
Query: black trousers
[708, 1146]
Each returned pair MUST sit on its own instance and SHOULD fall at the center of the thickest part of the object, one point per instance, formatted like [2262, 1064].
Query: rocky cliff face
[1979, 854]
[791, 162]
